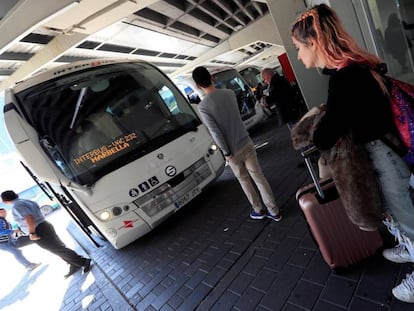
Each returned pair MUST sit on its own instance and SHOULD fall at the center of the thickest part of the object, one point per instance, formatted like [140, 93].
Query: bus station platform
[212, 256]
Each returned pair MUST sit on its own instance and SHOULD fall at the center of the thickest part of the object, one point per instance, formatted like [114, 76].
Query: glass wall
[393, 22]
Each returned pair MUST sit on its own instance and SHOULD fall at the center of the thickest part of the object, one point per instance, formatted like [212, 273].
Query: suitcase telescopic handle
[306, 155]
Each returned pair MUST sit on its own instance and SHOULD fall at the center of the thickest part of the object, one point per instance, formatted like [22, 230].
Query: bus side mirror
[26, 142]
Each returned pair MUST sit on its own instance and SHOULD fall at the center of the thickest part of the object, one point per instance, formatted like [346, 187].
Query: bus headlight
[112, 212]
[213, 148]
[105, 215]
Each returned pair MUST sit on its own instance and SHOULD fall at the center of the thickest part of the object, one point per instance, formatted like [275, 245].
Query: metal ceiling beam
[91, 16]
[258, 8]
[178, 15]
[214, 14]
[99, 19]
[25, 16]
[6, 72]
[54, 49]
[227, 9]
[263, 54]
[240, 39]
[244, 9]
[141, 22]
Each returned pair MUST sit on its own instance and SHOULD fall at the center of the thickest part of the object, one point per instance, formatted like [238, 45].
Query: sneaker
[398, 254]
[88, 265]
[405, 291]
[33, 266]
[72, 270]
[277, 217]
[256, 215]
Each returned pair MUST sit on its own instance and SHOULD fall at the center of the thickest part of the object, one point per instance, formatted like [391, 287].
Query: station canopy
[175, 35]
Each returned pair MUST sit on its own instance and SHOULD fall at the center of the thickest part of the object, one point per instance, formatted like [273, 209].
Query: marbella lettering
[103, 152]
[99, 154]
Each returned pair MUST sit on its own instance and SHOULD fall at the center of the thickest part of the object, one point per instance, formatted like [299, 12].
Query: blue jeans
[245, 167]
[16, 252]
[394, 176]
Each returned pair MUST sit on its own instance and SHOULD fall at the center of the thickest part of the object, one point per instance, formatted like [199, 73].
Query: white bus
[250, 110]
[117, 138]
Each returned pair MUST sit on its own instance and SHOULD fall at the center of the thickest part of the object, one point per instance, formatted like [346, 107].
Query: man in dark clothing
[282, 94]
[28, 216]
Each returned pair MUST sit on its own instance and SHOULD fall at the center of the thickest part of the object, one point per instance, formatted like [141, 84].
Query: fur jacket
[352, 172]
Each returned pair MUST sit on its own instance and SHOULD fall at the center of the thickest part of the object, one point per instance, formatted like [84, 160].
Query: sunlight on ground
[86, 301]
[90, 279]
[44, 288]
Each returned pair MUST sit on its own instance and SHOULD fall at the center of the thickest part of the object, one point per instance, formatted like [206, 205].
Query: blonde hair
[338, 48]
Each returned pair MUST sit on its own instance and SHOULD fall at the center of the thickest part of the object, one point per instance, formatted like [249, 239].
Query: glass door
[392, 31]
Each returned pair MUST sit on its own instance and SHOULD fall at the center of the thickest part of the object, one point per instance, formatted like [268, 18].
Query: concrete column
[314, 86]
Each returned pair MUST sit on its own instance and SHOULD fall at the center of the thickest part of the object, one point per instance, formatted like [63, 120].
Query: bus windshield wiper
[78, 103]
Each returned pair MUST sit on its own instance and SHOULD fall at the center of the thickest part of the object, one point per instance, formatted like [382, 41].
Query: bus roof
[66, 69]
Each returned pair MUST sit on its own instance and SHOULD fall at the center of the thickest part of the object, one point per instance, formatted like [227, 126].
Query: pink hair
[337, 47]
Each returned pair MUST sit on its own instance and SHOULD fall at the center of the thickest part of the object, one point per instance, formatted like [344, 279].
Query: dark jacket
[356, 105]
[282, 94]
[5, 230]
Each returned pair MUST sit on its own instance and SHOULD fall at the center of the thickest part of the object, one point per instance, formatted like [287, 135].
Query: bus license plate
[187, 197]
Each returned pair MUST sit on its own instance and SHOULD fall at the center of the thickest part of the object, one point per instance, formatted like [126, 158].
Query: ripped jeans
[393, 176]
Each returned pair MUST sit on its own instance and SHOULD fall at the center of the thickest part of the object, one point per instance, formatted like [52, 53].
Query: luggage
[340, 242]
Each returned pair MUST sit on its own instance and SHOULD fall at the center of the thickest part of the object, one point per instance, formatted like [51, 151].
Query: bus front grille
[177, 187]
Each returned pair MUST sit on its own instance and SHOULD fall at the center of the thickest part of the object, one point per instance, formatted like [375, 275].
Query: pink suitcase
[340, 242]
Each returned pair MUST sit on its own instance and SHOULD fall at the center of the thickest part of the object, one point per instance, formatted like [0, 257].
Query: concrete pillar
[314, 86]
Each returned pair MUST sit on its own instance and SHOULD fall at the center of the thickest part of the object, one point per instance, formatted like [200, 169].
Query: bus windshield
[232, 80]
[94, 121]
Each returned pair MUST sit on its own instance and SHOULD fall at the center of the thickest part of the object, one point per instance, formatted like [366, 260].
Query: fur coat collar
[352, 172]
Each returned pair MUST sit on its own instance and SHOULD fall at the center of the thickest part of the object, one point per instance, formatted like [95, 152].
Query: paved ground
[211, 256]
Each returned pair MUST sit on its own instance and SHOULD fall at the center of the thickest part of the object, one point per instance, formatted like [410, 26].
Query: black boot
[72, 270]
[87, 266]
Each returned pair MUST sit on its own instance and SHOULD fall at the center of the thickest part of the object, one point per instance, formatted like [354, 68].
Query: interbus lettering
[100, 153]
[103, 152]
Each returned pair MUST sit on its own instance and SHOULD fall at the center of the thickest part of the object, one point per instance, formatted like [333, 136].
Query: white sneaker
[398, 254]
[405, 291]
[33, 266]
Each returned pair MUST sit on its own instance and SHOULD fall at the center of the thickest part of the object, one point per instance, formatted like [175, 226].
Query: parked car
[36, 194]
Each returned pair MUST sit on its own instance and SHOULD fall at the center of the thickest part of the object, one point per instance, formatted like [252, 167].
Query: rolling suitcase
[340, 242]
